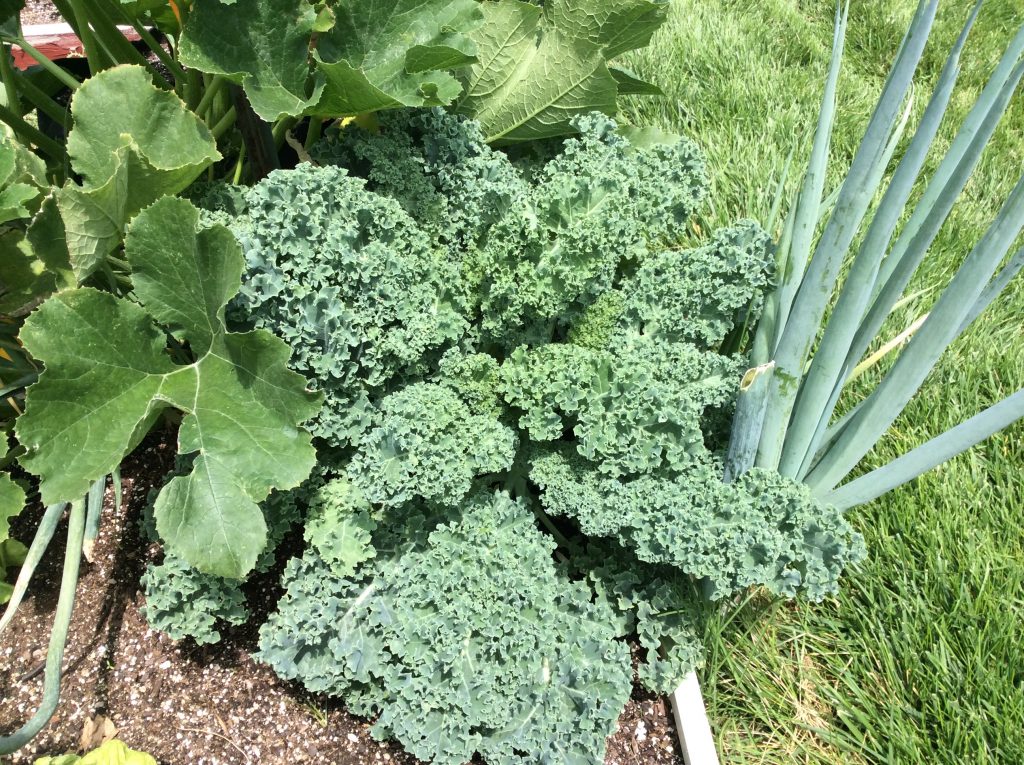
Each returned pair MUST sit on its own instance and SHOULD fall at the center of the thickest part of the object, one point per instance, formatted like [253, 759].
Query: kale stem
[543, 517]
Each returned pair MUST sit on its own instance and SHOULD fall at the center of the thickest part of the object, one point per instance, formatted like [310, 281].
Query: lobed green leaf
[109, 375]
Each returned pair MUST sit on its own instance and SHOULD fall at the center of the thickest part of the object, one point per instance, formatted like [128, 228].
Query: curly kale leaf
[349, 281]
[528, 250]
[658, 604]
[695, 295]
[515, 682]
[184, 602]
[437, 166]
[428, 443]
[475, 377]
[762, 529]
[471, 642]
[638, 408]
[600, 203]
[323, 632]
[109, 374]
[596, 325]
[339, 527]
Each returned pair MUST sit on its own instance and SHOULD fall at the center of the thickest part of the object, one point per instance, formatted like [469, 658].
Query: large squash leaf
[538, 67]
[108, 375]
[366, 56]
[22, 178]
[263, 45]
[122, 107]
[132, 143]
[394, 53]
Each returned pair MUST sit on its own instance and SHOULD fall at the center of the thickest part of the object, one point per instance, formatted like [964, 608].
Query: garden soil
[40, 12]
[193, 705]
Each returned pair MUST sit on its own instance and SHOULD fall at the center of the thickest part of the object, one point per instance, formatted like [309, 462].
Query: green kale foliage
[184, 602]
[187, 603]
[467, 640]
[349, 281]
[499, 340]
[760, 530]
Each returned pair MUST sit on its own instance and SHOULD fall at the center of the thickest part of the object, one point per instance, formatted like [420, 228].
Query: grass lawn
[921, 658]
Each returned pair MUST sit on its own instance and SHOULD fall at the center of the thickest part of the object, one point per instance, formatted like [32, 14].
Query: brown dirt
[189, 705]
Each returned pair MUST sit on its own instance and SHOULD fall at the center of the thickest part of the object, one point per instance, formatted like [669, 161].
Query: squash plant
[255, 70]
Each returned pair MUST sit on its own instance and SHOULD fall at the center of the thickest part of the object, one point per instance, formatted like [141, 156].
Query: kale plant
[526, 374]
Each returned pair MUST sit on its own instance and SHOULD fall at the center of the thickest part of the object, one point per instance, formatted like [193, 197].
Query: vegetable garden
[376, 342]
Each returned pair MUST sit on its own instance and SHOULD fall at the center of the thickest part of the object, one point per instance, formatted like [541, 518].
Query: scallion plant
[803, 361]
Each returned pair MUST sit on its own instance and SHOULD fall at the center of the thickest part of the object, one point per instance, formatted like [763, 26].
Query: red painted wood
[56, 42]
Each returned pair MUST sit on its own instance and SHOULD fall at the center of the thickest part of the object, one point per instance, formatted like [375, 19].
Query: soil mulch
[192, 705]
[40, 12]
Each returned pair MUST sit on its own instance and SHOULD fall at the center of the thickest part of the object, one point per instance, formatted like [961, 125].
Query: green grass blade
[825, 379]
[929, 455]
[886, 402]
[816, 286]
